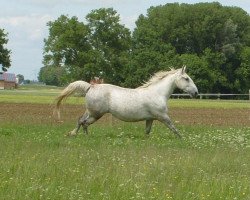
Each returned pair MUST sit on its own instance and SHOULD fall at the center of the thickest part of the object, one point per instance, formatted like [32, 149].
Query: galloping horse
[148, 102]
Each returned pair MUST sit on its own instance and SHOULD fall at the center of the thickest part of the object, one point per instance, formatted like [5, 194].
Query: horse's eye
[186, 78]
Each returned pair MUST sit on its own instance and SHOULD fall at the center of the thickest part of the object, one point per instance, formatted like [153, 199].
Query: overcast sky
[25, 22]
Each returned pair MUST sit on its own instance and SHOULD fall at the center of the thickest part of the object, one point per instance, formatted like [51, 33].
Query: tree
[111, 43]
[98, 48]
[208, 37]
[67, 47]
[52, 75]
[211, 39]
[242, 80]
[147, 60]
[198, 68]
[149, 52]
[4, 52]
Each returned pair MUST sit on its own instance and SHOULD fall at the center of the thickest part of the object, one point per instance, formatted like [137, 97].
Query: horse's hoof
[70, 134]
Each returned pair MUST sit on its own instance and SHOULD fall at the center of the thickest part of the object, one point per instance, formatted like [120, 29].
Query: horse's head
[185, 83]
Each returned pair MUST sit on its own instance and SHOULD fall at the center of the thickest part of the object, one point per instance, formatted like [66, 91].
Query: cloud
[81, 2]
[26, 34]
[128, 21]
[31, 26]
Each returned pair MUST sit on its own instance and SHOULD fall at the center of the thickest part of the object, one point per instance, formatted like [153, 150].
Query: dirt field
[40, 113]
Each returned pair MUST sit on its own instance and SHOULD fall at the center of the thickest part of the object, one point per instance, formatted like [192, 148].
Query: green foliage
[98, 48]
[110, 43]
[211, 39]
[4, 52]
[243, 72]
[67, 47]
[199, 71]
[215, 62]
[52, 75]
[207, 37]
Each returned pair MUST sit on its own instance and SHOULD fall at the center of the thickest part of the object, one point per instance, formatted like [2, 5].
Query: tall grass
[120, 162]
[117, 161]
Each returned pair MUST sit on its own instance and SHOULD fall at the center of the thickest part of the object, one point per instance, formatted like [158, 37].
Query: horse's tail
[81, 87]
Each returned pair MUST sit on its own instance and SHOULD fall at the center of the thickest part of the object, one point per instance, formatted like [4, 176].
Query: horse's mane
[158, 76]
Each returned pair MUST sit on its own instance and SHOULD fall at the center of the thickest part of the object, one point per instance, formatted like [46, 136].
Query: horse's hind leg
[80, 122]
[85, 120]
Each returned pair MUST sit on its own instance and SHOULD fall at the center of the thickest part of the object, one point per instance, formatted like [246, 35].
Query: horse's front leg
[149, 123]
[166, 120]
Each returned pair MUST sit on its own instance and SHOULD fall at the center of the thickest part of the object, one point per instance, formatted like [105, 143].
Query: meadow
[116, 160]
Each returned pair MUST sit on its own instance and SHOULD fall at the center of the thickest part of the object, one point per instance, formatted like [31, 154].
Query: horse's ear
[183, 70]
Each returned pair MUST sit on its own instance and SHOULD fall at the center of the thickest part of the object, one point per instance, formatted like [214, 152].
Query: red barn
[7, 81]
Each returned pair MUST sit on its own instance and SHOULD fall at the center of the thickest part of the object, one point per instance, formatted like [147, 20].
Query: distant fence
[216, 96]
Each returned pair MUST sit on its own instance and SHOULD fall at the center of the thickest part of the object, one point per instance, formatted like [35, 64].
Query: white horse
[148, 102]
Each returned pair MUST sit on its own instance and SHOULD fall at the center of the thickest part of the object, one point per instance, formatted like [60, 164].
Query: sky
[25, 22]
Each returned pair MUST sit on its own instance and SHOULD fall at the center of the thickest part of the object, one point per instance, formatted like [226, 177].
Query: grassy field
[116, 160]
[46, 95]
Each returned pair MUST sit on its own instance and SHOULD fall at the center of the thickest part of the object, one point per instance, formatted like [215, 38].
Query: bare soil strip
[40, 113]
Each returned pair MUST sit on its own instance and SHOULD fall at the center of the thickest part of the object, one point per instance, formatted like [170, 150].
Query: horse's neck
[166, 86]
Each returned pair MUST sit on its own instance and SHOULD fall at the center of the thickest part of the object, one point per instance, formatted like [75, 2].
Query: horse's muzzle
[195, 94]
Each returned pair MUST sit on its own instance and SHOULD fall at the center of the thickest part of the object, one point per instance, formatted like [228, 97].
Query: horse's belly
[129, 105]
[130, 115]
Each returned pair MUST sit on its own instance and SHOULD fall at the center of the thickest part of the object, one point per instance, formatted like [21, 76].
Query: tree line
[211, 39]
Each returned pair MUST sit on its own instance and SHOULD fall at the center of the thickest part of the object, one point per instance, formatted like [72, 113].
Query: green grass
[47, 95]
[120, 162]
[39, 87]
[200, 103]
[117, 161]
[40, 98]
[40, 95]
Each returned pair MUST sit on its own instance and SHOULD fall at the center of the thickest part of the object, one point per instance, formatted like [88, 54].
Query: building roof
[7, 77]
